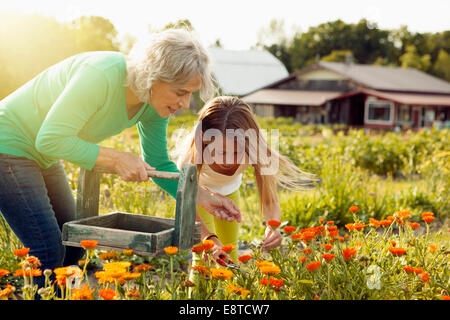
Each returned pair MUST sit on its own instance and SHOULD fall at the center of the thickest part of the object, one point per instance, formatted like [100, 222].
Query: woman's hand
[219, 206]
[272, 240]
[129, 166]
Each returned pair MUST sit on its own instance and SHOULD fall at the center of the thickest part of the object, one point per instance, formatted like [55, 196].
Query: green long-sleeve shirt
[63, 113]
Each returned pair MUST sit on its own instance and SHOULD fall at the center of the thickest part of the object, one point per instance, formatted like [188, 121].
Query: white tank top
[219, 182]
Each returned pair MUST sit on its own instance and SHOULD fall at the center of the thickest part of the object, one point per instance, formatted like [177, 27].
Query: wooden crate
[117, 231]
[146, 235]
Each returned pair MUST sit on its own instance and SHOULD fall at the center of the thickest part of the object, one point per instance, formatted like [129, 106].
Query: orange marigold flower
[408, 269]
[444, 297]
[313, 265]
[303, 259]
[108, 255]
[277, 283]
[244, 258]
[296, 236]
[201, 269]
[9, 290]
[404, 213]
[350, 226]
[332, 228]
[289, 229]
[432, 247]
[128, 252]
[21, 252]
[330, 222]
[393, 243]
[263, 263]
[208, 245]
[374, 222]
[328, 256]
[308, 235]
[321, 220]
[334, 234]
[228, 247]
[425, 277]
[341, 239]
[67, 271]
[198, 248]
[171, 250]
[385, 222]
[28, 272]
[271, 270]
[131, 275]
[417, 270]
[397, 251]
[414, 225]
[358, 226]
[349, 253]
[316, 298]
[32, 262]
[116, 265]
[221, 274]
[327, 246]
[89, 244]
[306, 251]
[142, 268]
[107, 294]
[353, 209]
[427, 214]
[82, 294]
[4, 272]
[274, 223]
[428, 219]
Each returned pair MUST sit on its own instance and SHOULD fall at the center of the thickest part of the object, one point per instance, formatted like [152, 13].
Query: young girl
[225, 142]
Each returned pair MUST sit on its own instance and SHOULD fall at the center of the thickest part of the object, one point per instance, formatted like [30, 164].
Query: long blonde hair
[226, 112]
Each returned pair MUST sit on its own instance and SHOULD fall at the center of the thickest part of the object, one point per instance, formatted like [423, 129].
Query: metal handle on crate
[151, 173]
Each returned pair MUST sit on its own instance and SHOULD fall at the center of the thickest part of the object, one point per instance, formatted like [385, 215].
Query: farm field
[375, 228]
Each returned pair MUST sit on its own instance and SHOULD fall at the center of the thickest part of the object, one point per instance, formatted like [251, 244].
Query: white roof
[239, 72]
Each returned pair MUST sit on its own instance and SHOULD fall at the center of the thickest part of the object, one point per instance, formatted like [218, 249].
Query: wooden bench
[146, 235]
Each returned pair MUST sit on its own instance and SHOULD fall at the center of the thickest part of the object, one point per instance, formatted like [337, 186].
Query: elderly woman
[66, 110]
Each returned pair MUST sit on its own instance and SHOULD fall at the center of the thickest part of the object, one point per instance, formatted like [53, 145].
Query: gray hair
[173, 56]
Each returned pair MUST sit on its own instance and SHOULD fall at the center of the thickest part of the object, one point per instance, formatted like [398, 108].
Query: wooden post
[88, 192]
[186, 208]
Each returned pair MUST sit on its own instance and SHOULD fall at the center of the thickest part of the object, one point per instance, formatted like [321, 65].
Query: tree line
[363, 42]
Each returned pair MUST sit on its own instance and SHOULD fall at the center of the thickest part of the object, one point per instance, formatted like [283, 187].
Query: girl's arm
[273, 238]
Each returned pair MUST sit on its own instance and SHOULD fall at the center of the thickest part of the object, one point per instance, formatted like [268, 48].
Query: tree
[339, 56]
[411, 59]
[442, 65]
[94, 34]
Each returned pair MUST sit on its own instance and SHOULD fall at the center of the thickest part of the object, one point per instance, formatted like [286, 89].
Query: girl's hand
[272, 240]
[221, 207]
[219, 256]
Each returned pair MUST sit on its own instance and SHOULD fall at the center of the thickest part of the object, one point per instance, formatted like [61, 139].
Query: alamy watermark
[235, 146]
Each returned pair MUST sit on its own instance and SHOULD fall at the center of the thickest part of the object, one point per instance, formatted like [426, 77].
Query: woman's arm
[57, 137]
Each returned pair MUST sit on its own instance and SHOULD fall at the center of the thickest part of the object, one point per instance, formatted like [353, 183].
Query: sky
[237, 22]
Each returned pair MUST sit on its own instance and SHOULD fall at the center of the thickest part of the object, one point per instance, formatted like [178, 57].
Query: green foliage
[331, 41]
[31, 43]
